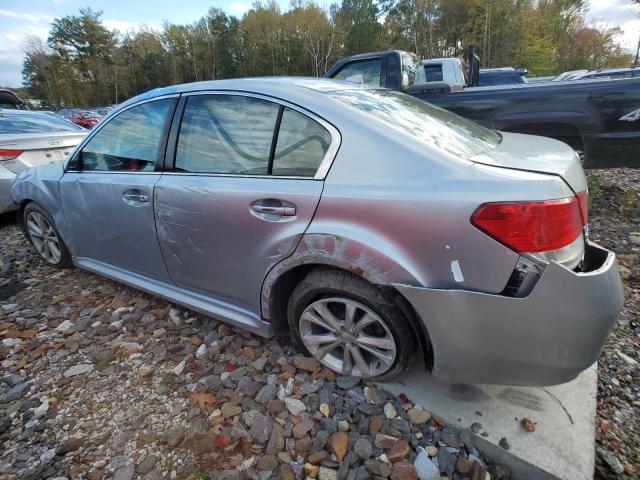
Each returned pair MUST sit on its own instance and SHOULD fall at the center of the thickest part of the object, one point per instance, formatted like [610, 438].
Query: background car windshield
[34, 123]
[433, 125]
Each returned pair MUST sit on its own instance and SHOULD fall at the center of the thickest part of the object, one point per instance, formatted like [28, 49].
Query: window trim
[274, 140]
[323, 167]
[160, 159]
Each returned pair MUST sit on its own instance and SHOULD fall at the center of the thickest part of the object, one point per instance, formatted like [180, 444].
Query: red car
[84, 118]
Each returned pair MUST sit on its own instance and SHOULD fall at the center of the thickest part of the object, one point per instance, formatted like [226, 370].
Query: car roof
[272, 86]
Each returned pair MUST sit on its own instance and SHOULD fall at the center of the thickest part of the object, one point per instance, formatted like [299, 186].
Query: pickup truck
[600, 118]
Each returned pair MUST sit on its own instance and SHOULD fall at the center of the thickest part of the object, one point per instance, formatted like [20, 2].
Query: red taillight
[6, 155]
[584, 206]
[531, 227]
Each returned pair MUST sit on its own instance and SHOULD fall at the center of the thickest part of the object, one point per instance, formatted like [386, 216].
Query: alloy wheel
[348, 337]
[44, 237]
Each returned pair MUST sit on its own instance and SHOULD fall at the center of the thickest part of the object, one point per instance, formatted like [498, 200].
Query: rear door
[107, 191]
[247, 177]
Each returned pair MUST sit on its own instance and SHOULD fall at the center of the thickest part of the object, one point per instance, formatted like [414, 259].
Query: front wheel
[350, 326]
[43, 235]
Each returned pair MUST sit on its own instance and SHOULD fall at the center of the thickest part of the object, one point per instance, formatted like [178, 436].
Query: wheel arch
[40, 185]
[283, 285]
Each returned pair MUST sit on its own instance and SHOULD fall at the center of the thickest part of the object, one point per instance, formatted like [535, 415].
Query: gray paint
[387, 208]
[211, 241]
[113, 230]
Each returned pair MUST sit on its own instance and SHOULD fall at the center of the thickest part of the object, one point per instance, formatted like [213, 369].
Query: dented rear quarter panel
[394, 210]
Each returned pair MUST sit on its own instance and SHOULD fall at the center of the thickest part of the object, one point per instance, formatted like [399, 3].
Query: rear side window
[366, 72]
[433, 72]
[130, 141]
[229, 134]
[236, 135]
[34, 123]
[301, 146]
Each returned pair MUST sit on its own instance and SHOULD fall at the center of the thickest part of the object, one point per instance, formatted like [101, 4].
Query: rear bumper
[546, 338]
[6, 203]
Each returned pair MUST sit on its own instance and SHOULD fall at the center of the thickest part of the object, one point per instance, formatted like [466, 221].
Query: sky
[19, 18]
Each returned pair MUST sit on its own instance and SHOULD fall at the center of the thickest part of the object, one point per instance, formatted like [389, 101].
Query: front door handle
[273, 210]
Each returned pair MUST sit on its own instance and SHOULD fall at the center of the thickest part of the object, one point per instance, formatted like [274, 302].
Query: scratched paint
[457, 271]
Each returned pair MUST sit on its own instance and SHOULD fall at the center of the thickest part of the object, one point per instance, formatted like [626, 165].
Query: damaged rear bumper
[546, 338]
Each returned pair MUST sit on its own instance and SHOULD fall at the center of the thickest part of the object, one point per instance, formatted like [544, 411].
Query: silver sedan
[367, 224]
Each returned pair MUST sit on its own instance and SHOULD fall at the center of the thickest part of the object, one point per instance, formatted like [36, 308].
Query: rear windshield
[34, 123]
[428, 123]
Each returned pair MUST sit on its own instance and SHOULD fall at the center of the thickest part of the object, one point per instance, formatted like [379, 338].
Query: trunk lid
[536, 154]
[39, 148]
[40, 141]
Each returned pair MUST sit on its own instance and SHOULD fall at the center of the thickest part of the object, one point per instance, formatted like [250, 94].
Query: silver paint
[44, 237]
[390, 209]
[546, 338]
[352, 339]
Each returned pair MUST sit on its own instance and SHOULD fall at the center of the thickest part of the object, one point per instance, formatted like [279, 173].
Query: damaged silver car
[369, 225]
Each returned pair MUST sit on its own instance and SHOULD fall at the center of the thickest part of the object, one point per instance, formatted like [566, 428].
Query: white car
[29, 139]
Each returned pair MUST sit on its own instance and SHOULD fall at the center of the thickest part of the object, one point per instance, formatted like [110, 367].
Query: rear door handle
[272, 210]
[136, 197]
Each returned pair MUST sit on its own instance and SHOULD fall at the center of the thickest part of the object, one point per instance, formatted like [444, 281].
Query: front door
[241, 193]
[107, 192]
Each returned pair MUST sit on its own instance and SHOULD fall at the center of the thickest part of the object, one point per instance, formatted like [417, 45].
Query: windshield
[433, 125]
[34, 123]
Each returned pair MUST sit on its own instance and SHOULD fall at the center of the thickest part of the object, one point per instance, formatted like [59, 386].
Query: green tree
[85, 48]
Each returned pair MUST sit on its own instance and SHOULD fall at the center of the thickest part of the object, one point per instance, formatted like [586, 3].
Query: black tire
[65, 257]
[325, 282]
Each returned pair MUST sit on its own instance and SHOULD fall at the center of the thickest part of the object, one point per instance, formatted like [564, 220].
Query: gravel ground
[101, 381]
[615, 224]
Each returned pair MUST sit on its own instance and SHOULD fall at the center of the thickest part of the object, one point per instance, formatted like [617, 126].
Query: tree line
[82, 63]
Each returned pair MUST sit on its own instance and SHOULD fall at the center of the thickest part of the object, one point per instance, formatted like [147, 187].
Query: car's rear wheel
[350, 326]
[43, 235]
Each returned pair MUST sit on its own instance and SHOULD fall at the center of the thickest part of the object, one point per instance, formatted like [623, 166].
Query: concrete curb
[561, 447]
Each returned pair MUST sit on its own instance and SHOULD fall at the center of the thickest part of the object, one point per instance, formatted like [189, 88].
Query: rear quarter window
[301, 146]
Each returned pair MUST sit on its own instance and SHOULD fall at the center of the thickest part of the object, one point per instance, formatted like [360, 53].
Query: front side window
[366, 72]
[226, 134]
[302, 144]
[131, 140]
[435, 126]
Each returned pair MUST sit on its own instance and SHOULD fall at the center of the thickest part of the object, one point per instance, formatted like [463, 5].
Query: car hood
[536, 154]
